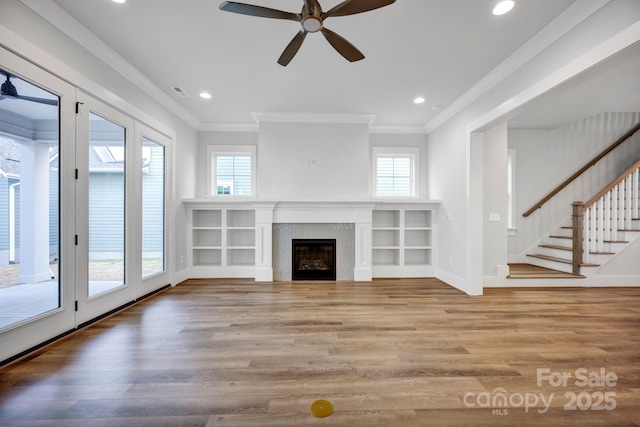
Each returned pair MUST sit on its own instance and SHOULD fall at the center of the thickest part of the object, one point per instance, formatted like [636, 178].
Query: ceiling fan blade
[38, 100]
[351, 7]
[344, 48]
[292, 48]
[263, 12]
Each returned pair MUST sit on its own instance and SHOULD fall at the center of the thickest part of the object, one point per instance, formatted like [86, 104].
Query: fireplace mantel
[266, 213]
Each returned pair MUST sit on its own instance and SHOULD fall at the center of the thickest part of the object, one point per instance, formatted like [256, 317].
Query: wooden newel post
[578, 234]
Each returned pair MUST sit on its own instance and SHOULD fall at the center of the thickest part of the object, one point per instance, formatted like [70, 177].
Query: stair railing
[601, 219]
[582, 170]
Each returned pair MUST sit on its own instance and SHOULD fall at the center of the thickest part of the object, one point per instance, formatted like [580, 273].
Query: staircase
[597, 229]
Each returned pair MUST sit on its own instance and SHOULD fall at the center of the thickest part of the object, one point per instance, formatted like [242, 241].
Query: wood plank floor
[411, 352]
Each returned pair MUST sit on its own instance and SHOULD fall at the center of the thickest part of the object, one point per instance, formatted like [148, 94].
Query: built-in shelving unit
[222, 242]
[402, 242]
[234, 238]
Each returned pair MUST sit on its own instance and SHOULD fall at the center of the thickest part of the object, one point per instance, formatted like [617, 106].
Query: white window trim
[412, 152]
[229, 150]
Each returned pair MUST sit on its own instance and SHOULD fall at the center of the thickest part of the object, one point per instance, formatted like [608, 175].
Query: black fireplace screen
[314, 259]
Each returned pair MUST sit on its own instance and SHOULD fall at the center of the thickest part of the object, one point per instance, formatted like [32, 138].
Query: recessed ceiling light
[419, 100]
[503, 7]
[205, 95]
[118, 1]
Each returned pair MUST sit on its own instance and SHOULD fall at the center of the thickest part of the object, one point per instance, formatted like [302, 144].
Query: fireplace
[313, 259]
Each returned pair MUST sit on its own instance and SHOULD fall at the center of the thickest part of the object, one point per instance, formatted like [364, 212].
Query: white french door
[83, 207]
[37, 199]
[104, 215]
[152, 175]
[122, 192]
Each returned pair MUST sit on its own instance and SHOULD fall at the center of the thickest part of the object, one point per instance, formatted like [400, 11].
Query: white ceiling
[437, 49]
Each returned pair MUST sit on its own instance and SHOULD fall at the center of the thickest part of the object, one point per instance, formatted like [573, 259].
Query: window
[395, 172]
[232, 170]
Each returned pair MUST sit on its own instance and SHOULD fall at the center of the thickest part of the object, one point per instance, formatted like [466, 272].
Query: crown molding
[314, 118]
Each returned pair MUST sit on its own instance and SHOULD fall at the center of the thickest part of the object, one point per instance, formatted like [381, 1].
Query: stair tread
[530, 271]
[561, 260]
[561, 237]
[559, 247]
[551, 258]
[616, 241]
[601, 253]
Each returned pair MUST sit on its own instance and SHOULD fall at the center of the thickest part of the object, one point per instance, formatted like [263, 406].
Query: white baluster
[636, 194]
[614, 213]
[628, 202]
[600, 225]
[592, 231]
[607, 216]
[586, 235]
[620, 207]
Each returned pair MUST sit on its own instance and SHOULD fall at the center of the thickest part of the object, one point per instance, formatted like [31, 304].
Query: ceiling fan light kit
[311, 20]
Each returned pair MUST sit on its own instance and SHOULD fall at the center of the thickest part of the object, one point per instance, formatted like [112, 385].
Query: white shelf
[222, 242]
[386, 256]
[241, 218]
[417, 218]
[241, 256]
[417, 237]
[207, 237]
[207, 257]
[402, 241]
[385, 237]
[207, 218]
[386, 219]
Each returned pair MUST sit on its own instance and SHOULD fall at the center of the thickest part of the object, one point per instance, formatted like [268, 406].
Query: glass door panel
[153, 208]
[37, 199]
[105, 159]
[107, 165]
[29, 201]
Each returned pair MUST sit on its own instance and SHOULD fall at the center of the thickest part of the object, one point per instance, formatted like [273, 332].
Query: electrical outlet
[494, 217]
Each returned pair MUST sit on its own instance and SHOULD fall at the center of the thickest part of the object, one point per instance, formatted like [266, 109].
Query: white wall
[313, 161]
[453, 171]
[494, 155]
[342, 154]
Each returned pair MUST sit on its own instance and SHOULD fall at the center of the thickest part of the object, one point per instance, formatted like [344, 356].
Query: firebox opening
[314, 259]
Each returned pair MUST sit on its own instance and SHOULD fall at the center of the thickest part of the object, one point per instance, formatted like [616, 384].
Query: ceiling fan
[8, 90]
[312, 20]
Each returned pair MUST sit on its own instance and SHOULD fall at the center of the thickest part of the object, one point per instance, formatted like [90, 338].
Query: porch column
[34, 213]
